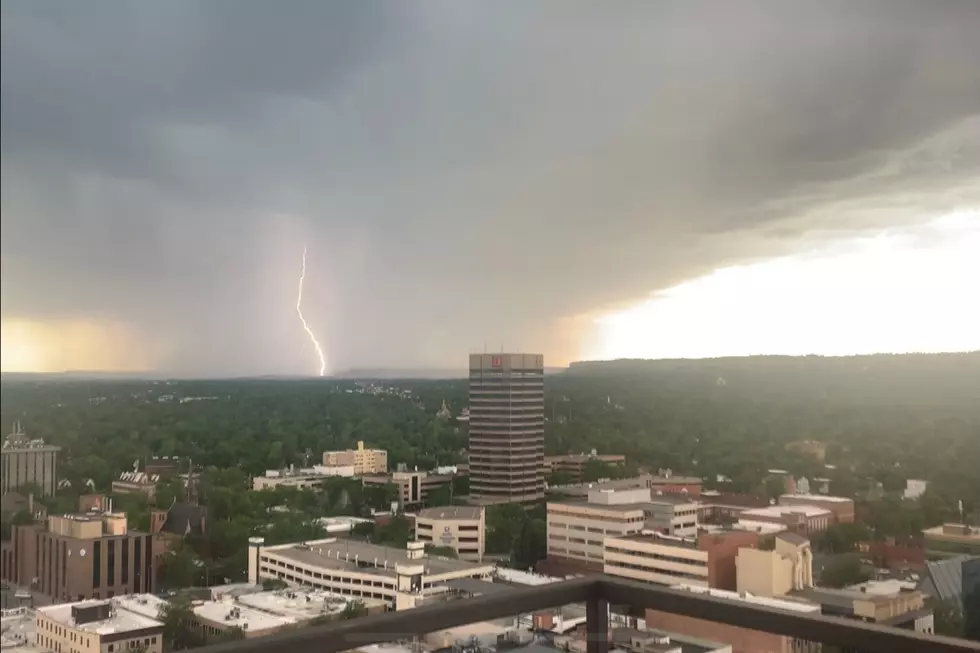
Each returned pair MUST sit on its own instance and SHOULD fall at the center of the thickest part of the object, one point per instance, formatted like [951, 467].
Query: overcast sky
[463, 174]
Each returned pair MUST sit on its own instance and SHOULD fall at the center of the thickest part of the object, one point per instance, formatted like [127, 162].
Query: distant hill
[424, 374]
[895, 379]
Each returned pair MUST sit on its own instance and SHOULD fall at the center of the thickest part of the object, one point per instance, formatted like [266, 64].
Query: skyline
[555, 177]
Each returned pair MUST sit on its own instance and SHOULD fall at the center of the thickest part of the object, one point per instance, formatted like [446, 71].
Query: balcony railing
[597, 593]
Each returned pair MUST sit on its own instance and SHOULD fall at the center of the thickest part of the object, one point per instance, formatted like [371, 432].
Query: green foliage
[19, 518]
[353, 610]
[179, 630]
[269, 584]
[844, 571]
[560, 478]
[884, 418]
[443, 551]
[841, 538]
[947, 617]
[971, 612]
[181, 568]
[513, 530]
[595, 470]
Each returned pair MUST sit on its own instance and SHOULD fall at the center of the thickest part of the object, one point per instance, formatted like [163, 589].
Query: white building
[403, 578]
[461, 528]
[915, 488]
[304, 604]
[337, 525]
[96, 626]
[306, 477]
[216, 617]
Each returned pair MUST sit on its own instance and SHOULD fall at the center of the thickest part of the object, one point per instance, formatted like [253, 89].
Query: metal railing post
[597, 623]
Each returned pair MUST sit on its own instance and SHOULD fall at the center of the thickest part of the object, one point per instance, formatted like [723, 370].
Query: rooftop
[884, 587]
[145, 605]
[784, 617]
[234, 614]
[817, 497]
[755, 526]
[341, 524]
[518, 577]
[138, 478]
[789, 604]
[365, 557]
[452, 512]
[119, 621]
[793, 538]
[17, 630]
[653, 537]
[782, 511]
[295, 603]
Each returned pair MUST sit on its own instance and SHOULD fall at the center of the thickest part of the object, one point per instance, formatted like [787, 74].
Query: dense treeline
[884, 419]
[890, 417]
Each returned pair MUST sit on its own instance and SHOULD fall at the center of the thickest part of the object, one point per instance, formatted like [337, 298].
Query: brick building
[706, 560]
[81, 556]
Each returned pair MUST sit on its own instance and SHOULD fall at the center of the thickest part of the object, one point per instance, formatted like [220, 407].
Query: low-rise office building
[573, 465]
[889, 603]
[96, 627]
[842, 508]
[403, 578]
[25, 460]
[413, 487]
[364, 461]
[666, 483]
[804, 519]
[461, 528]
[742, 640]
[576, 530]
[714, 506]
[704, 561]
[304, 478]
[81, 556]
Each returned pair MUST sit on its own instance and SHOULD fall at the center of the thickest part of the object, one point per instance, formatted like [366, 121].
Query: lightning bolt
[306, 327]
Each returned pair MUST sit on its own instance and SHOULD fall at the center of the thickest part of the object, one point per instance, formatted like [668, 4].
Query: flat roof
[452, 512]
[654, 502]
[236, 614]
[652, 537]
[888, 587]
[780, 511]
[147, 605]
[295, 603]
[371, 558]
[17, 630]
[780, 603]
[477, 586]
[120, 621]
[766, 527]
[612, 507]
[817, 497]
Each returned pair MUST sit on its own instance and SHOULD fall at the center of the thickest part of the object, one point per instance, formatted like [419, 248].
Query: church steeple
[443, 413]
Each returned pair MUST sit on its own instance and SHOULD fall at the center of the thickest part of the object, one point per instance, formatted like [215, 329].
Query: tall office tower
[506, 427]
[24, 461]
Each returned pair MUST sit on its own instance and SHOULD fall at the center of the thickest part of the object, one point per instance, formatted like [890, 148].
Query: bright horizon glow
[901, 291]
[72, 345]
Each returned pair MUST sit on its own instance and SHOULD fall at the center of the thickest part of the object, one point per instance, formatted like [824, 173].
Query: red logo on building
[495, 361]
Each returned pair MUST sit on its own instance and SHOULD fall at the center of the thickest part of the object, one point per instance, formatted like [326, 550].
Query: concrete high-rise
[506, 449]
[25, 461]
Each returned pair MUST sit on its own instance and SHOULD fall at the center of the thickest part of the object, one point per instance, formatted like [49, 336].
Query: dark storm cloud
[463, 172]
